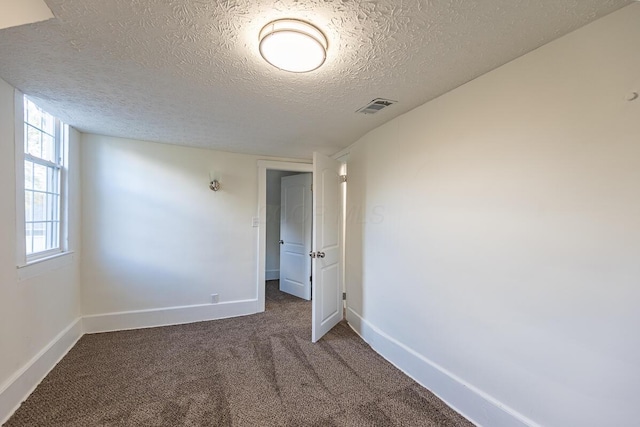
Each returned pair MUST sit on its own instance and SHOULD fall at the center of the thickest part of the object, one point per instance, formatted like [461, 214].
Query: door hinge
[344, 296]
[310, 279]
[343, 178]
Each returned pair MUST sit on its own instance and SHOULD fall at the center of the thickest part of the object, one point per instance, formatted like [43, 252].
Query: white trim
[64, 147]
[39, 160]
[473, 403]
[21, 384]
[272, 275]
[263, 166]
[62, 154]
[18, 114]
[42, 255]
[44, 265]
[139, 319]
[343, 155]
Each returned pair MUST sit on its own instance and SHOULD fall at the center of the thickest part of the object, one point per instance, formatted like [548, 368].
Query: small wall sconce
[214, 181]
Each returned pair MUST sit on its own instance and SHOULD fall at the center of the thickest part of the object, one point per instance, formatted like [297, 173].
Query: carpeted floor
[259, 370]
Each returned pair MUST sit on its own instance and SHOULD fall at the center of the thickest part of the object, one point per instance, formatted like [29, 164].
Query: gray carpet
[259, 370]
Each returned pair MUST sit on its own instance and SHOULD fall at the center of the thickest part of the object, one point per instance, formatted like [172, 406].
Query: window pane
[48, 148]
[39, 242]
[49, 211]
[48, 123]
[56, 207]
[49, 235]
[28, 205]
[42, 182]
[34, 114]
[29, 238]
[55, 233]
[52, 186]
[39, 206]
[53, 207]
[34, 143]
[28, 175]
[39, 177]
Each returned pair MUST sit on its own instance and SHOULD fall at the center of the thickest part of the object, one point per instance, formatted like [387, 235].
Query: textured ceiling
[189, 72]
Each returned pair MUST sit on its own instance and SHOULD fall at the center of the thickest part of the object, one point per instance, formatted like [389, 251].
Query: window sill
[44, 265]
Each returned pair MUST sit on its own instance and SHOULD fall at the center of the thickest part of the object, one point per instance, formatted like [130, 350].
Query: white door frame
[263, 166]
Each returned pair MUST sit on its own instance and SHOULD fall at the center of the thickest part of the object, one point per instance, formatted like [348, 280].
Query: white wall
[494, 240]
[39, 302]
[155, 235]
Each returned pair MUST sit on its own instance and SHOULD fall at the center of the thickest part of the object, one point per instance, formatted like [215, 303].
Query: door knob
[320, 254]
[312, 254]
[281, 242]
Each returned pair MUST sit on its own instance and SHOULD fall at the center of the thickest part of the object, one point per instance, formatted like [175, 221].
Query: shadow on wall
[155, 235]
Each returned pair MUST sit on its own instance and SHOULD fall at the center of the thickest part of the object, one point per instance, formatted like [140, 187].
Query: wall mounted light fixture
[293, 45]
[214, 181]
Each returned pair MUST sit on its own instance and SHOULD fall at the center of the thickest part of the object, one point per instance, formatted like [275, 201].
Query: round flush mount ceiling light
[293, 45]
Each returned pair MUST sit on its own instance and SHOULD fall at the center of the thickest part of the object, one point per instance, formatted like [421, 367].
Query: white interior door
[326, 255]
[295, 235]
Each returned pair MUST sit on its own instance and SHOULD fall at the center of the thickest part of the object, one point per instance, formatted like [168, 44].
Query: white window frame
[62, 135]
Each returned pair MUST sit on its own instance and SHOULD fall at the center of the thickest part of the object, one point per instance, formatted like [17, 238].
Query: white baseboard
[21, 384]
[272, 275]
[166, 316]
[474, 404]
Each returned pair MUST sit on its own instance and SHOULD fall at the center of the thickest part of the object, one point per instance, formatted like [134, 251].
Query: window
[44, 173]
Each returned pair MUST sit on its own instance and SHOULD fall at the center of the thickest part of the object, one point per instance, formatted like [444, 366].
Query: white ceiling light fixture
[293, 45]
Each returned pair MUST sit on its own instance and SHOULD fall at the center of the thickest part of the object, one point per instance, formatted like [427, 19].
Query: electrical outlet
[255, 222]
[215, 299]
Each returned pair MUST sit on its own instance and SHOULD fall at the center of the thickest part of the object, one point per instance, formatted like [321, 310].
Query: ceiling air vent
[375, 106]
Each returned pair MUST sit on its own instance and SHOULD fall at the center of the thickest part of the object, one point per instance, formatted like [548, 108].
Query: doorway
[265, 213]
[327, 238]
[288, 225]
